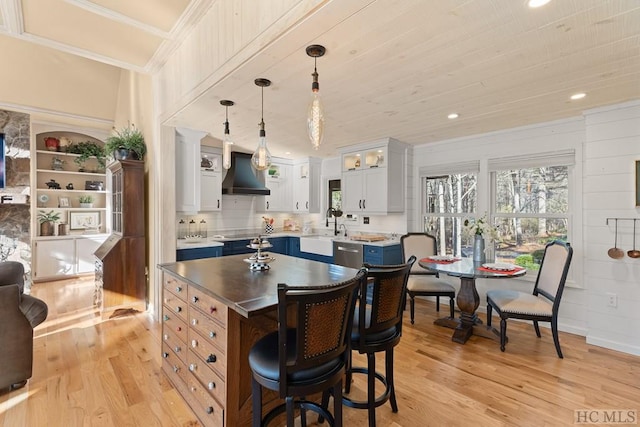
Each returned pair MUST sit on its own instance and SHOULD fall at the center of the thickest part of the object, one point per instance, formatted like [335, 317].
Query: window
[448, 199]
[335, 195]
[531, 204]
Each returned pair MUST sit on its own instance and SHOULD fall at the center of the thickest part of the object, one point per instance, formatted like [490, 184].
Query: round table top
[466, 267]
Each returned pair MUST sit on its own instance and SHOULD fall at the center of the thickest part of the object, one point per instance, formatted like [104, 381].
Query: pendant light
[261, 158]
[315, 114]
[227, 143]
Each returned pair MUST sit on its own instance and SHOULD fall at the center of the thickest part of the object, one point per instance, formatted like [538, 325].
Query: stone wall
[15, 212]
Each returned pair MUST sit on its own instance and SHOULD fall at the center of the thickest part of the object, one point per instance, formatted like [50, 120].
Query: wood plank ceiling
[393, 68]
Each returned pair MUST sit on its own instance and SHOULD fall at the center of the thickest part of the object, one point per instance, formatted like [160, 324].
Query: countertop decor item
[260, 260]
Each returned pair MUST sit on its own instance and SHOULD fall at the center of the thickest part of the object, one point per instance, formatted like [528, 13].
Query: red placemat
[508, 272]
[438, 261]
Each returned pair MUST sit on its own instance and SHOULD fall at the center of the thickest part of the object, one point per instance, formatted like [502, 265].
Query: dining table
[467, 297]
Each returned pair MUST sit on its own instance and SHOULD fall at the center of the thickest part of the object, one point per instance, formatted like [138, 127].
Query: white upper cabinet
[306, 185]
[210, 179]
[374, 177]
[278, 179]
[188, 170]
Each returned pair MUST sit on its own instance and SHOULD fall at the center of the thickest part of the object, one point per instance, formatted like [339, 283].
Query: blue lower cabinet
[316, 257]
[294, 247]
[197, 253]
[383, 255]
[235, 247]
[279, 245]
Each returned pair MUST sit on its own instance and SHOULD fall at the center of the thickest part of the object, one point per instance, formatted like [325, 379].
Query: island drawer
[176, 286]
[175, 368]
[173, 325]
[206, 407]
[178, 347]
[213, 331]
[209, 353]
[174, 306]
[208, 305]
[209, 378]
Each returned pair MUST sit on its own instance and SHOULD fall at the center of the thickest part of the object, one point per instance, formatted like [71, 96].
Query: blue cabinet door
[294, 247]
[279, 245]
[197, 253]
[235, 247]
[383, 255]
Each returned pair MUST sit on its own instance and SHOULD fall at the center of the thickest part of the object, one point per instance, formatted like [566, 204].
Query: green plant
[86, 150]
[51, 216]
[128, 138]
[86, 198]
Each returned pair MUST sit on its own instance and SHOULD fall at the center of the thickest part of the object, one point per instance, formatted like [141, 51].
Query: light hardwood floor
[93, 372]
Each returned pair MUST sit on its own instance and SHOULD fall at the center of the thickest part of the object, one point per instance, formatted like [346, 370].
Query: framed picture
[63, 202]
[638, 183]
[84, 220]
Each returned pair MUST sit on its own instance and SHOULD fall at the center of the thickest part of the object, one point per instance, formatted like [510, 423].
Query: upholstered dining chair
[377, 327]
[423, 282]
[19, 314]
[308, 353]
[540, 306]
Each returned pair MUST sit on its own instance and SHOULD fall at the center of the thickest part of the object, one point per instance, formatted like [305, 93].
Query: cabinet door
[210, 191]
[54, 258]
[301, 177]
[188, 170]
[374, 191]
[352, 183]
[85, 247]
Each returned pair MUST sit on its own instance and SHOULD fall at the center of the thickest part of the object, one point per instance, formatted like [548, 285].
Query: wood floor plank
[90, 371]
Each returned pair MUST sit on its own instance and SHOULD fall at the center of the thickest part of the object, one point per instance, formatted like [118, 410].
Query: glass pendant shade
[261, 158]
[227, 143]
[315, 120]
[315, 114]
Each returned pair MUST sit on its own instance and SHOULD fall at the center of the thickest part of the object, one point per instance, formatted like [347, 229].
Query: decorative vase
[86, 205]
[478, 249]
[268, 228]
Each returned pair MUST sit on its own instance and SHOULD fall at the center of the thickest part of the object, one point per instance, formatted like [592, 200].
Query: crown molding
[118, 17]
[37, 110]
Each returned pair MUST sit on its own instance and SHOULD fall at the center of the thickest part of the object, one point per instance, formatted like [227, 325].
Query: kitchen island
[213, 311]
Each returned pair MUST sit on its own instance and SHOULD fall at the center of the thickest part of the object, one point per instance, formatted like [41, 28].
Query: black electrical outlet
[365, 220]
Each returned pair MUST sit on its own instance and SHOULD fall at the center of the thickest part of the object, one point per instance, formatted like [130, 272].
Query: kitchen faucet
[335, 213]
[345, 229]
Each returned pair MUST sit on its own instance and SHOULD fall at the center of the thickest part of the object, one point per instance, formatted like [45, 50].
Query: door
[210, 191]
[54, 258]
[352, 184]
[85, 248]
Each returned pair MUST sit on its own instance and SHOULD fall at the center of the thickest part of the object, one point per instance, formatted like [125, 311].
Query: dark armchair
[19, 314]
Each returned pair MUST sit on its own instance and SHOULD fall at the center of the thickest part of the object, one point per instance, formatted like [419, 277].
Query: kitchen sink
[319, 245]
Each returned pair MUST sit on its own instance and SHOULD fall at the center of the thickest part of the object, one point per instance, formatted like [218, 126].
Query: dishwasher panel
[348, 254]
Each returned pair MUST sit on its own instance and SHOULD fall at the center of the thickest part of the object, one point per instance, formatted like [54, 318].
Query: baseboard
[614, 345]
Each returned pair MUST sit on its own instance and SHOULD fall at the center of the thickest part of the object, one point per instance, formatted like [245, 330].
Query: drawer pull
[194, 322]
[176, 368]
[166, 337]
[195, 299]
[213, 309]
[193, 389]
[193, 367]
[212, 334]
[212, 358]
[178, 309]
[165, 354]
[210, 410]
[211, 385]
[165, 318]
[194, 343]
[179, 328]
[178, 349]
[179, 289]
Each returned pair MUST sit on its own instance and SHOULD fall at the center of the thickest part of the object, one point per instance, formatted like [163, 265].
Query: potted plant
[126, 144]
[86, 201]
[47, 222]
[87, 150]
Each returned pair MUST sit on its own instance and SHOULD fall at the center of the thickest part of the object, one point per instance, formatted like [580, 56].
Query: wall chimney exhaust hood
[241, 178]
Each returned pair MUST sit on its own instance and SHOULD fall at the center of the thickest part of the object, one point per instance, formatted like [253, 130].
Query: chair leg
[348, 374]
[290, 411]
[303, 414]
[556, 338]
[325, 402]
[392, 388]
[371, 388]
[489, 310]
[451, 307]
[337, 404]
[503, 333]
[412, 305]
[437, 303]
[535, 326]
[256, 397]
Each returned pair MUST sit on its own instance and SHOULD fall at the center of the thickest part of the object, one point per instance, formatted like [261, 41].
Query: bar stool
[308, 356]
[377, 326]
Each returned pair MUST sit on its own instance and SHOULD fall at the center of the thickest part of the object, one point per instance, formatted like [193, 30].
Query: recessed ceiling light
[453, 116]
[537, 3]
[577, 96]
